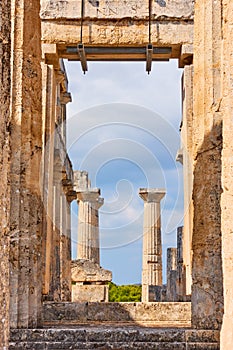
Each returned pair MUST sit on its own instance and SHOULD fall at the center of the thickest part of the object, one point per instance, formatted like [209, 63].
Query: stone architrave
[88, 224]
[152, 247]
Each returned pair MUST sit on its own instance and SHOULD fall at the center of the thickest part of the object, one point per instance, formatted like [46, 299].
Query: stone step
[114, 338]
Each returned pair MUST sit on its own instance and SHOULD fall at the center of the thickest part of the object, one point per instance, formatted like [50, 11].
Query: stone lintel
[152, 194]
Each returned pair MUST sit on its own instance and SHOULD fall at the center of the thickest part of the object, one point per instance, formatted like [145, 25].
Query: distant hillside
[124, 293]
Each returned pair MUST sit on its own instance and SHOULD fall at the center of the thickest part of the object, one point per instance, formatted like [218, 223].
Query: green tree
[124, 293]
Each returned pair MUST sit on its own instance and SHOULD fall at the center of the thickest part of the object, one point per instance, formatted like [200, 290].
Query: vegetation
[124, 293]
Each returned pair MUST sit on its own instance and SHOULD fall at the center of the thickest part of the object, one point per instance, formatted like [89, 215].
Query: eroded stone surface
[227, 175]
[87, 271]
[90, 293]
[25, 161]
[54, 9]
[114, 338]
[207, 289]
[150, 314]
[5, 79]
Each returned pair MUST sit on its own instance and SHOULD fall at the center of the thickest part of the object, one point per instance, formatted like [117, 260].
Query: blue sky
[123, 128]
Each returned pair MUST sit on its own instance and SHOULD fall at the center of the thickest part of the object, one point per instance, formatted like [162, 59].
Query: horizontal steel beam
[100, 53]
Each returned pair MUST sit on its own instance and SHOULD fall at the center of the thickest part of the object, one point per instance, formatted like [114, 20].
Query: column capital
[89, 195]
[152, 194]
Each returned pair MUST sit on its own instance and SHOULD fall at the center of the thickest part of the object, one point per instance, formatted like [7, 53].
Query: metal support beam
[82, 56]
[149, 57]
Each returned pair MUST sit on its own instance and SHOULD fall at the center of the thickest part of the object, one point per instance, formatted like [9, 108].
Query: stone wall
[5, 42]
[147, 314]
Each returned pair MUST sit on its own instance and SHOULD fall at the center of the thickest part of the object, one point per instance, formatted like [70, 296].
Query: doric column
[181, 276]
[207, 288]
[227, 175]
[55, 288]
[171, 274]
[152, 247]
[187, 161]
[88, 224]
[25, 161]
[5, 62]
[65, 248]
[49, 97]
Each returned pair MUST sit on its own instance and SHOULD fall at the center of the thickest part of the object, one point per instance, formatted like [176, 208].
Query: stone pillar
[181, 285]
[207, 287]
[171, 274]
[227, 175]
[25, 161]
[47, 169]
[65, 246]
[187, 161]
[88, 225]
[5, 80]
[152, 246]
[55, 288]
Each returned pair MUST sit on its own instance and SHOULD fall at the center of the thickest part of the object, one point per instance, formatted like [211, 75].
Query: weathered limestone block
[5, 80]
[207, 288]
[90, 293]
[227, 174]
[125, 33]
[152, 244]
[116, 9]
[146, 314]
[91, 281]
[88, 271]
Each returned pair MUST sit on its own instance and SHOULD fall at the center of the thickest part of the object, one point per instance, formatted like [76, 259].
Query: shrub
[124, 293]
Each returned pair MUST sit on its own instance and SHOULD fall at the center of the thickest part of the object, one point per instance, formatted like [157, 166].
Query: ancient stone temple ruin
[38, 182]
[90, 281]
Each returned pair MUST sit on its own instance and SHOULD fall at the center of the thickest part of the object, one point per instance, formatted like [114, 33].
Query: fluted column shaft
[152, 245]
[88, 225]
